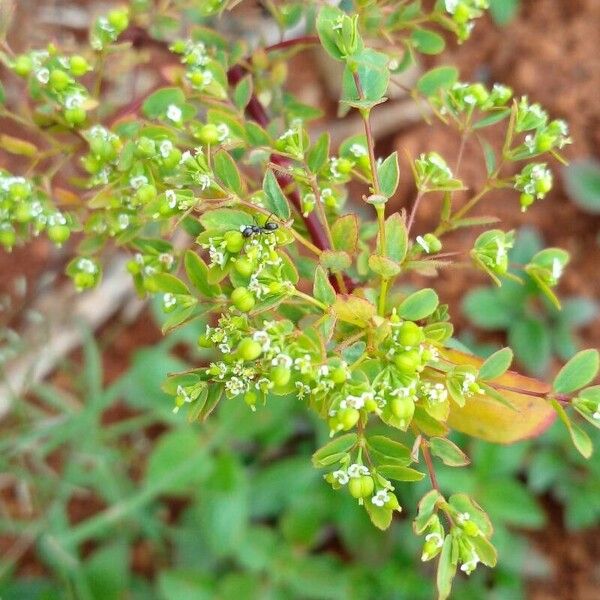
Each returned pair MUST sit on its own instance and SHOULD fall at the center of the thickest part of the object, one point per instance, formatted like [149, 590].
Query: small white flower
[74, 100]
[169, 300]
[43, 75]
[436, 537]
[358, 150]
[596, 415]
[165, 148]
[451, 5]
[423, 244]
[224, 348]
[557, 269]
[380, 498]
[171, 197]
[462, 517]
[469, 566]
[356, 470]
[138, 181]
[341, 477]
[174, 113]
[282, 360]
[204, 181]
[87, 266]
[223, 132]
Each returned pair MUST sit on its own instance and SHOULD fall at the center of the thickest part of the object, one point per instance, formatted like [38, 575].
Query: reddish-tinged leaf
[485, 418]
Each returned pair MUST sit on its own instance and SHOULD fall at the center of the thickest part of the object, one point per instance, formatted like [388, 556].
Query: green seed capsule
[23, 65]
[526, 200]
[339, 375]
[361, 487]
[79, 65]
[59, 80]
[403, 409]
[280, 376]
[348, 418]
[146, 193]
[410, 334]
[244, 266]
[433, 242]
[119, 19]
[544, 142]
[250, 398]
[243, 299]
[18, 191]
[84, 281]
[234, 241]
[408, 362]
[209, 134]
[204, 341]
[146, 147]
[75, 116]
[58, 234]
[248, 349]
[8, 236]
[344, 166]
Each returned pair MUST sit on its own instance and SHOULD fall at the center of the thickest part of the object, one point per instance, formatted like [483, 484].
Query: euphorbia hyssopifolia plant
[228, 207]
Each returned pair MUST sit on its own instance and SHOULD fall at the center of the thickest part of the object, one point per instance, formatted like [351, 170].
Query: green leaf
[504, 11]
[275, 200]
[157, 104]
[388, 451]
[106, 571]
[354, 310]
[449, 453]
[165, 282]
[489, 155]
[335, 261]
[317, 155]
[226, 170]
[426, 508]
[400, 473]
[497, 364]
[2, 94]
[243, 92]
[221, 220]
[492, 118]
[323, 290]
[326, 20]
[388, 173]
[334, 450]
[578, 372]
[437, 79]
[373, 74]
[396, 238]
[380, 516]
[344, 233]
[486, 309]
[530, 340]
[383, 266]
[419, 305]
[173, 450]
[197, 273]
[427, 42]
[579, 437]
[446, 569]
[582, 180]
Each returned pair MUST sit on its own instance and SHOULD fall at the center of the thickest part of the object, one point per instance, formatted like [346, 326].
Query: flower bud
[146, 193]
[204, 341]
[434, 243]
[119, 19]
[339, 375]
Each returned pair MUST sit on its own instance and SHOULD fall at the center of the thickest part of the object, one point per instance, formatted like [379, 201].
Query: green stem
[311, 300]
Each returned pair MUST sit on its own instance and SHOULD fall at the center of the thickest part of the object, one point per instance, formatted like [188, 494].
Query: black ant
[268, 227]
